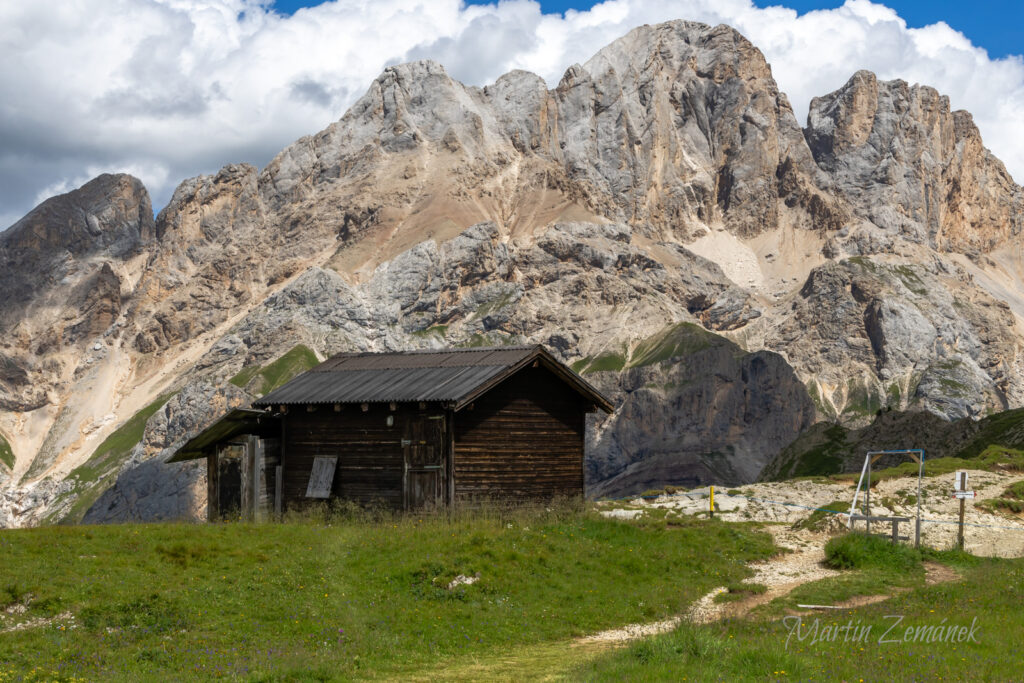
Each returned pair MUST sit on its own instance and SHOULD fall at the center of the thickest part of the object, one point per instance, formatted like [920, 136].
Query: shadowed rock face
[150, 489]
[61, 269]
[110, 214]
[713, 413]
[867, 261]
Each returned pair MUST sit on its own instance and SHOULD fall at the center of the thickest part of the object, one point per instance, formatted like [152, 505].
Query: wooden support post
[249, 496]
[450, 459]
[277, 491]
[280, 470]
[960, 532]
[213, 486]
[895, 531]
[867, 501]
[920, 474]
[259, 486]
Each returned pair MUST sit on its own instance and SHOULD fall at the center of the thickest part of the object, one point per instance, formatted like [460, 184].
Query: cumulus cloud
[167, 89]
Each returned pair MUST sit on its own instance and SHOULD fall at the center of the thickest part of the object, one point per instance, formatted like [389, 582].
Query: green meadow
[485, 595]
[344, 597]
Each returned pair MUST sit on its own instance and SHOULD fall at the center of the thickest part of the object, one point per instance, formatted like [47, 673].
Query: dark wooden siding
[522, 440]
[369, 453]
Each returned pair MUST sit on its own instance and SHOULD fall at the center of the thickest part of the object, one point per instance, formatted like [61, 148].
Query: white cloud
[170, 88]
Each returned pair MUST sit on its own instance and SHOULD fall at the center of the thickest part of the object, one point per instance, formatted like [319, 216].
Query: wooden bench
[895, 521]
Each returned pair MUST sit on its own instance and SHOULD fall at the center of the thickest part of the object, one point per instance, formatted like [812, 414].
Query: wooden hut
[413, 430]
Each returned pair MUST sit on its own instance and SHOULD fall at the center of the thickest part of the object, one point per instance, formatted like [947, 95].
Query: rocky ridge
[664, 181]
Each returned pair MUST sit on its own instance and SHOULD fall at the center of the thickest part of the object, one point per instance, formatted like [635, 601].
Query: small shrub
[859, 551]
[1015, 491]
[12, 594]
[997, 504]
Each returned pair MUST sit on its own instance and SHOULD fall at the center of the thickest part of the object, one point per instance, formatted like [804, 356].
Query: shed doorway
[229, 478]
[424, 472]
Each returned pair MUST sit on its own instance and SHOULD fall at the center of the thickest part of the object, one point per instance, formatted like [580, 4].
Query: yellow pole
[712, 501]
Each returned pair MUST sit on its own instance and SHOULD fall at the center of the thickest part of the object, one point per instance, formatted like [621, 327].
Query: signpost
[960, 491]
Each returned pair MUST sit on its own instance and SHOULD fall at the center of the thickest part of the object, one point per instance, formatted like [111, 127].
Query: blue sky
[996, 25]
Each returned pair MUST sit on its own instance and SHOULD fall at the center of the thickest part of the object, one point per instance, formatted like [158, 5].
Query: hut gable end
[521, 440]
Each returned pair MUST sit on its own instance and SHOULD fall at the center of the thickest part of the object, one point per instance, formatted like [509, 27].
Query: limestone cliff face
[878, 333]
[684, 126]
[214, 255]
[869, 260]
[912, 167]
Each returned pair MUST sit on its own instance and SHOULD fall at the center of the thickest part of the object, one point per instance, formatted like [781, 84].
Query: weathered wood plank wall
[522, 440]
[369, 451]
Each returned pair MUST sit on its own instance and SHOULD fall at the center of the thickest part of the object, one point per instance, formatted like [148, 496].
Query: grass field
[349, 599]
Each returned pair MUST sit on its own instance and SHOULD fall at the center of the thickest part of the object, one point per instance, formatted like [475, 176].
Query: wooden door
[424, 475]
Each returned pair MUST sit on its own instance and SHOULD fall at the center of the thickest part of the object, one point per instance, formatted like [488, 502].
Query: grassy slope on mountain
[262, 380]
[343, 598]
[96, 475]
[6, 453]
[679, 339]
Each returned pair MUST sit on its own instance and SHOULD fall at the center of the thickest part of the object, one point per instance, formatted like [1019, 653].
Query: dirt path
[939, 573]
[781, 574]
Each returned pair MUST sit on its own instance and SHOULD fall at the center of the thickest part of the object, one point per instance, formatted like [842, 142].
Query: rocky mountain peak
[110, 212]
[716, 52]
[411, 103]
[110, 217]
[62, 268]
[913, 167]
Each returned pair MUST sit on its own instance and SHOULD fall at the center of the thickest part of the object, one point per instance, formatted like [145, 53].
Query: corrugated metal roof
[446, 375]
[390, 384]
[500, 356]
[409, 376]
